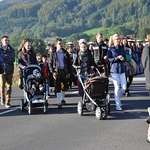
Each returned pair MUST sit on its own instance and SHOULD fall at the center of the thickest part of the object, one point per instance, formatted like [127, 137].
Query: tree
[141, 34]
[39, 45]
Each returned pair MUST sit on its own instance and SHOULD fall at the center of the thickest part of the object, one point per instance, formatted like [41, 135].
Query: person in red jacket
[45, 70]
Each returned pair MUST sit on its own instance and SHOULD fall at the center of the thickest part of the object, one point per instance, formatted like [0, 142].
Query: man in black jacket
[99, 51]
[8, 56]
[60, 67]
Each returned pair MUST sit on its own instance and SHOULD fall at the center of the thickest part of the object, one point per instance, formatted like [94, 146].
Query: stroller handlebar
[87, 75]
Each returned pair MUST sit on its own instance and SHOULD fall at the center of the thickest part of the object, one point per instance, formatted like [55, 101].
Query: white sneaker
[2, 103]
[118, 108]
[7, 105]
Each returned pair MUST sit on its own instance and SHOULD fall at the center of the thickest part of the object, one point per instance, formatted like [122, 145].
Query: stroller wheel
[98, 113]
[80, 108]
[45, 108]
[104, 111]
[22, 104]
[108, 108]
[29, 110]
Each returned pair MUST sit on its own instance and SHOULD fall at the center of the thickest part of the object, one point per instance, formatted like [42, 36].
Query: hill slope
[42, 18]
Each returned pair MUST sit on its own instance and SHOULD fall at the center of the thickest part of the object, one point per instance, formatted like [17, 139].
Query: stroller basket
[96, 86]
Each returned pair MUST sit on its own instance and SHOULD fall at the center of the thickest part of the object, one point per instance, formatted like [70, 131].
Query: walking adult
[26, 56]
[60, 67]
[8, 56]
[83, 62]
[146, 66]
[116, 56]
[73, 54]
[99, 50]
[129, 69]
[140, 49]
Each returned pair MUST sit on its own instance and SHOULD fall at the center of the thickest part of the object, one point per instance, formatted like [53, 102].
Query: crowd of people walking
[118, 57]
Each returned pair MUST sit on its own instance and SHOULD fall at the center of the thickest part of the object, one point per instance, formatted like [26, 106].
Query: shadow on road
[134, 107]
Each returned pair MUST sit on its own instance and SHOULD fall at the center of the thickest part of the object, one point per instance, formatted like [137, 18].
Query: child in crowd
[35, 82]
[45, 70]
[39, 58]
[51, 79]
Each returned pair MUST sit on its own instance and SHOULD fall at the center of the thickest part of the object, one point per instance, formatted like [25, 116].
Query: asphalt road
[65, 130]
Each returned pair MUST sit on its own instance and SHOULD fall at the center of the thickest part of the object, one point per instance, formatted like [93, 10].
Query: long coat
[146, 64]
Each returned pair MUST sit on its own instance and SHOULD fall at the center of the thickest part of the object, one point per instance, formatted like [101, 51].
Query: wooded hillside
[44, 18]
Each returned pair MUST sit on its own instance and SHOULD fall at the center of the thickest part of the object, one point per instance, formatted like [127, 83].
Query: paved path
[65, 130]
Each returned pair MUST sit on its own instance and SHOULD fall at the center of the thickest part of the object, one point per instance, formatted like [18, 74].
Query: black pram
[34, 89]
[95, 97]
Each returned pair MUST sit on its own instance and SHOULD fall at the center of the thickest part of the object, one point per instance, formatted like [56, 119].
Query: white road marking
[75, 92]
[8, 111]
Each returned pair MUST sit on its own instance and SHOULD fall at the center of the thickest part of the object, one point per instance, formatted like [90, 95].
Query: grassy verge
[15, 77]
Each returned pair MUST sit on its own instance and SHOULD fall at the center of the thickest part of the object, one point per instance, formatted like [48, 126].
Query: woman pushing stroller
[84, 61]
[93, 85]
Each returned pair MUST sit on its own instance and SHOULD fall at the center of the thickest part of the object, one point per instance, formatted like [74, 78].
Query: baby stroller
[95, 97]
[34, 87]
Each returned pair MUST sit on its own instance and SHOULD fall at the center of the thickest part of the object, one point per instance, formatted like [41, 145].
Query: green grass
[95, 30]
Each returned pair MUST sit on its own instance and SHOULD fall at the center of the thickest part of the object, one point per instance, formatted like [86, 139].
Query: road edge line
[8, 111]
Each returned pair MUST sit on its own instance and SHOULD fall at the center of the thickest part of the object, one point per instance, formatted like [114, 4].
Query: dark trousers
[61, 81]
[129, 80]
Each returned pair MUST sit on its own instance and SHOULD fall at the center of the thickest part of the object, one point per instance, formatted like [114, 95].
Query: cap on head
[131, 40]
[82, 41]
[90, 43]
[139, 40]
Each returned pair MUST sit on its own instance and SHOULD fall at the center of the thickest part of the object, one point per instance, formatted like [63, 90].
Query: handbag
[20, 83]
[128, 57]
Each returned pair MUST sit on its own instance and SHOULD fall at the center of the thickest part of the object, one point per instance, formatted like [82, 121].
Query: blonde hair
[111, 39]
[110, 43]
[38, 54]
